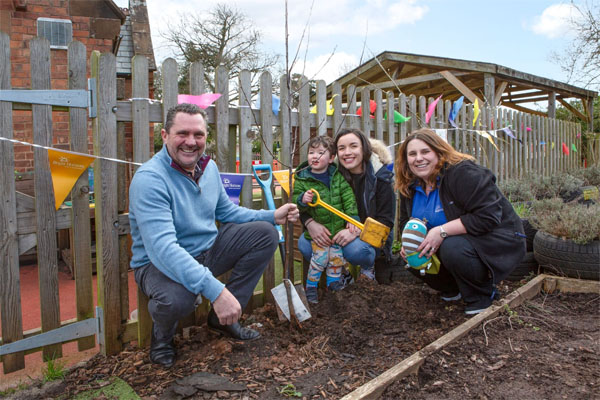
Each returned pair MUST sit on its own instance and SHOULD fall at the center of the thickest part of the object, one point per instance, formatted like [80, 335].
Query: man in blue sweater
[175, 200]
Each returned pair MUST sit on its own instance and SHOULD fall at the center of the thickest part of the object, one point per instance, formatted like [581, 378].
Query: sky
[518, 34]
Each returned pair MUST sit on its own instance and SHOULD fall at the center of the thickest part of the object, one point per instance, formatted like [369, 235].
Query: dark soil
[547, 348]
[357, 334]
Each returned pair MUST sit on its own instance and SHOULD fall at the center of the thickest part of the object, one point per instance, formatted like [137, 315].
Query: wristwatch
[443, 233]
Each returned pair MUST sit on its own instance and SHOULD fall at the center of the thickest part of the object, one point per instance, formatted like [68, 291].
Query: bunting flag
[328, 107]
[372, 108]
[65, 169]
[283, 177]
[275, 104]
[573, 147]
[475, 111]
[565, 149]
[552, 147]
[233, 186]
[454, 112]
[542, 143]
[488, 137]
[203, 101]
[578, 135]
[431, 109]
[443, 133]
[510, 134]
[398, 118]
[528, 129]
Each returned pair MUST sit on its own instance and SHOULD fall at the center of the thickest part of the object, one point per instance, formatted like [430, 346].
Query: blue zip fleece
[173, 220]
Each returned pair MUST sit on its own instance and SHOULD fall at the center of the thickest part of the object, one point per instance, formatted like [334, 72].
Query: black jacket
[469, 192]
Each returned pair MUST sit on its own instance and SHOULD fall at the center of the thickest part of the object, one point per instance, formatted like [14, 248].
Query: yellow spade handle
[337, 212]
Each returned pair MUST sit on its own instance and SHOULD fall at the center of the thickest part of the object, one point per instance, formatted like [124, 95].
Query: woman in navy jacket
[473, 228]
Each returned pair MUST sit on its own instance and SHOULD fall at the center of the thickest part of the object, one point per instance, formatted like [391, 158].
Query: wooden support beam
[530, 99]
[552, 105]
[499, 90]
[522, 109]
[512, 97]
[450, 77]
[411, 80]
[573, 109]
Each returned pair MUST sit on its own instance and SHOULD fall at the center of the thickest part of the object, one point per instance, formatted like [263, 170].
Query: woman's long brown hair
[445, 152]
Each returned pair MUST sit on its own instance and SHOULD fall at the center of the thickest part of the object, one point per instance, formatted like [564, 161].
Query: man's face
[186, 139]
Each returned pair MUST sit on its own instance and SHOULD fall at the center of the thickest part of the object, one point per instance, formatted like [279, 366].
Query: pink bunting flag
[431, 109]
[203, 101]
[528, 129]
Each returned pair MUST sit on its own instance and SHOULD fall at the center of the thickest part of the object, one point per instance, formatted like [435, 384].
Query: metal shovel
[290, 300]
[373, 232]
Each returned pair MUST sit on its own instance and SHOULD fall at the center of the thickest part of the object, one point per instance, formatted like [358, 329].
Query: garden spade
[373, 232]
[290, 300]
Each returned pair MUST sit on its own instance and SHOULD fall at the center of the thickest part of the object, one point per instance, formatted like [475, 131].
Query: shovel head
[375, 233]
[300, 307]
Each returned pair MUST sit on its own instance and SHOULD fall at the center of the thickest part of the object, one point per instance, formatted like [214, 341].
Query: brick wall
[21, 25]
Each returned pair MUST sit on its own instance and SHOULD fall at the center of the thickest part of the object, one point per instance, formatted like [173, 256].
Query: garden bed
[353, 346]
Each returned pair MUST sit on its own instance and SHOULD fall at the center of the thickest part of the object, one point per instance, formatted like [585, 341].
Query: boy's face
[319, 159]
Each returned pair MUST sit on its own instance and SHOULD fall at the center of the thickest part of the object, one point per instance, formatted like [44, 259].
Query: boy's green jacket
[339, 195]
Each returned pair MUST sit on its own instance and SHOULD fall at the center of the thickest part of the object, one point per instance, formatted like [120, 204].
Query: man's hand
[227, 308]
[287, 212]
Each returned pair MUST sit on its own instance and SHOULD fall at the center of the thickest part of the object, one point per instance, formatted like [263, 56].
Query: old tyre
[530, 232]
[567, 258]
[528, 265]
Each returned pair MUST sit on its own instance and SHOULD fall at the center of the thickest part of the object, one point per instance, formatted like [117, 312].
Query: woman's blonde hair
[445, 153]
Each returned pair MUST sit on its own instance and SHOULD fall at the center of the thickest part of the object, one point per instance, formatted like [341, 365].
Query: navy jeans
[245, 249]
[462, 270]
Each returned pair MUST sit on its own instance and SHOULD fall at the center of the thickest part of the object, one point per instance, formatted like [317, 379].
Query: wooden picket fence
[25, 220]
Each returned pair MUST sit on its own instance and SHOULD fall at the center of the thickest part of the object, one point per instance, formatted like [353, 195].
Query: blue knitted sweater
[173, 220]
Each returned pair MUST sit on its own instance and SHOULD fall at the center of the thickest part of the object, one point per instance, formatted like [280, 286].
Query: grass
[53, 371]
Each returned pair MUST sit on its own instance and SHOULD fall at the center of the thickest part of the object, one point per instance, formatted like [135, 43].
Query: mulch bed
[357, 334]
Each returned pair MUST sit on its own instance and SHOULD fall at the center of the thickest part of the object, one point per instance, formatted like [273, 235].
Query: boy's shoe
[346, 279]
[478, 307]
[335, 286]
[312, 295]
[451, 296]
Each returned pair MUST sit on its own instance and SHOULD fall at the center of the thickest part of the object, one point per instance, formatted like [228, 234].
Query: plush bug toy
[412, 236]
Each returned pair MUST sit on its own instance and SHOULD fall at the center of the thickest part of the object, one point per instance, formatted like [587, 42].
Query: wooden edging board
[375, 387]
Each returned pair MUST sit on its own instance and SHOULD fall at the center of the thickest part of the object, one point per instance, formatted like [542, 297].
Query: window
[59, 32]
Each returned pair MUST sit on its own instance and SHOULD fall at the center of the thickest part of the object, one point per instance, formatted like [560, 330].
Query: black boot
[389, 270]
[162, 351]
[235, 330]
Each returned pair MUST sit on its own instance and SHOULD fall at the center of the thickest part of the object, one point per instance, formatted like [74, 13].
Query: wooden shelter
[496, 85]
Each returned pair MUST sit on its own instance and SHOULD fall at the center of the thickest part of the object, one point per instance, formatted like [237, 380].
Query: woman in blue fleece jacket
[175, 200]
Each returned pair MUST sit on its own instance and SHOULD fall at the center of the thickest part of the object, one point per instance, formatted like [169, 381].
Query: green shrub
[578, 222]
[590, 176]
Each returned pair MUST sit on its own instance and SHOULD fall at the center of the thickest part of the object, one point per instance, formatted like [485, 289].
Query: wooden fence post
[10, 286]
[266, 131]
[141, 153]
[222, 118]
[44, 197]
[107, 242]
[80, 213]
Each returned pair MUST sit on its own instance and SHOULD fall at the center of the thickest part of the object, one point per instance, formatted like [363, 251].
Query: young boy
[320, 173]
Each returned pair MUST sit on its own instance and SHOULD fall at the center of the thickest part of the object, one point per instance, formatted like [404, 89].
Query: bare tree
[225, 36]
[581, 60]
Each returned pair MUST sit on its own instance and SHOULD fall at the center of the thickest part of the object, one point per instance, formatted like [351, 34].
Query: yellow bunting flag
[488, 137]
[283, 177]
[328, 107]
[475, 111]
[65, 169]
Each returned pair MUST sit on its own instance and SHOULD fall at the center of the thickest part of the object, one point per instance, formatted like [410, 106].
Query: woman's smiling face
[422, 160]
[350, 153]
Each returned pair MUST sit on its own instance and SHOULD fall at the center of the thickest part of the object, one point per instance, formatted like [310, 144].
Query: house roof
[427, 76]
[135, 38]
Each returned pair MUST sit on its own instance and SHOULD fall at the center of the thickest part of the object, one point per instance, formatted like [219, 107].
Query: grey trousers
[245, 249]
